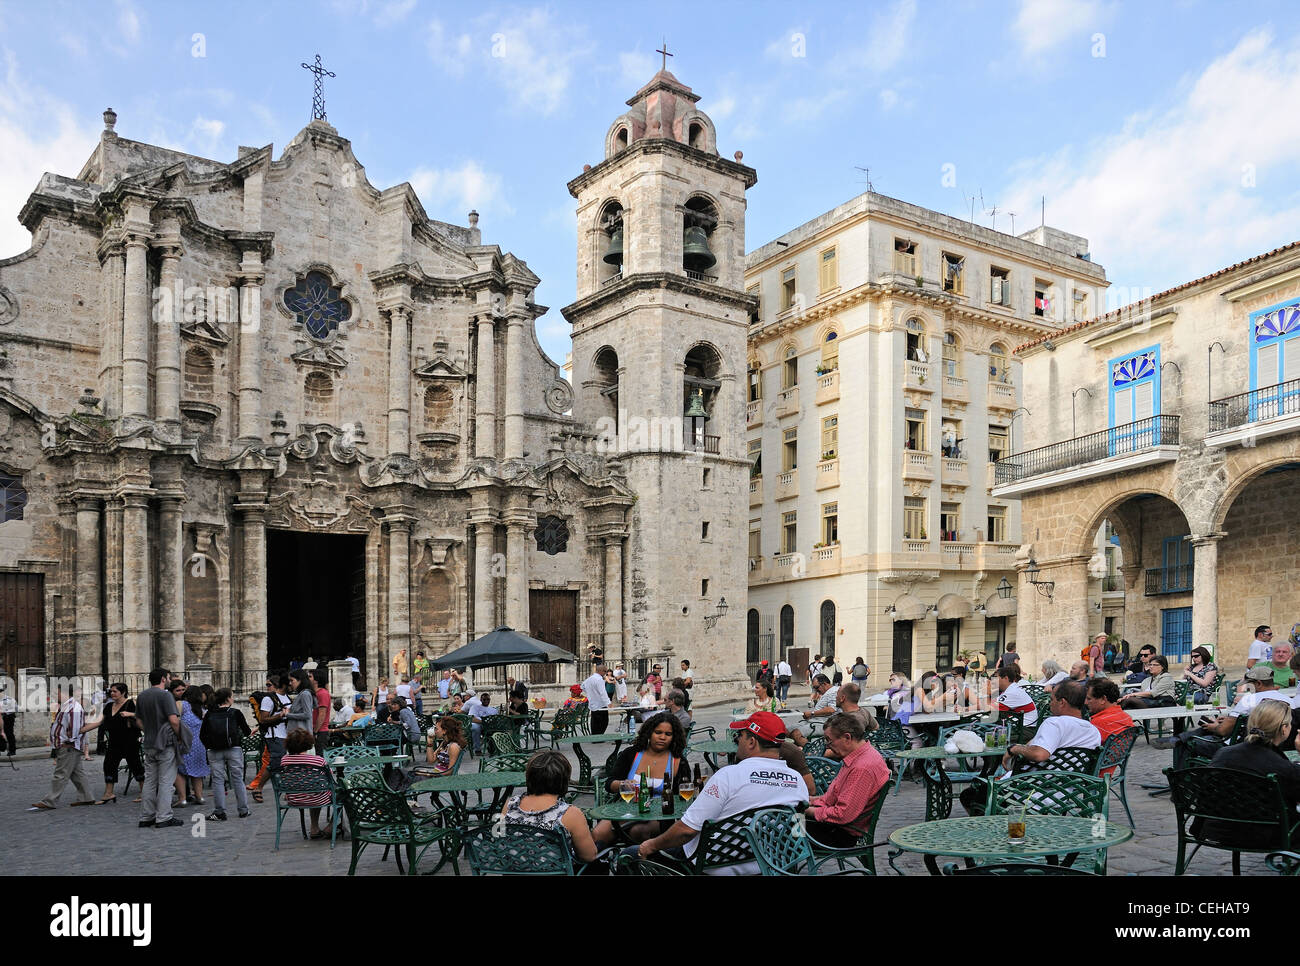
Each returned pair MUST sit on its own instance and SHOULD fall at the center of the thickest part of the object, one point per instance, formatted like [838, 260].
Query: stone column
[1205, 589]
[113, 586]
[113, 273]
[250, 347]
[614, 597]
[485, 419]
[399, 588]
[514, 379]
[252, 610]
[137, 629]
[167, 374]
[89, 618]
[485, 617]
[399, 380]
[135, 328]
[171, 579]
[517, 528]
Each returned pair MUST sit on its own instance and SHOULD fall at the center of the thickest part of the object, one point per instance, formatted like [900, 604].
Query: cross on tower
[318, 91]
[664, 51]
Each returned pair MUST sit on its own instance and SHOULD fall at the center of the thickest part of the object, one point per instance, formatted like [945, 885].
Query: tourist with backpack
[222, 734]
[272, 712]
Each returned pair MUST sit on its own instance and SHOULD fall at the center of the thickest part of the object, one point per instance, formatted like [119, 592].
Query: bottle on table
[667, 794]
[697, 775]
[643, 795]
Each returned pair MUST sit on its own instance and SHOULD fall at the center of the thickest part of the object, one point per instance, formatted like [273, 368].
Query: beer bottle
[643, 795]
[698, 783]
[667, 803]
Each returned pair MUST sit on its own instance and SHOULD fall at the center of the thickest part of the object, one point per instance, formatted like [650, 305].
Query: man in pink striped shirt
[840, 817]
[67, 738]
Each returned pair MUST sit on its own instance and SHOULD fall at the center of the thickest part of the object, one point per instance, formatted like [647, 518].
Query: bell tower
[659, 332]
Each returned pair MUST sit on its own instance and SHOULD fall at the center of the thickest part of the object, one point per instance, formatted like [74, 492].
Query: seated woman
[517, 705]
[445, 749]
[543, 806]
[763, 699]
[1052, 674]
[1157, 690]
[300, 746]
[925, 699]
[1200, 674]
[363, 717]
[659, 749]
[1263, 752]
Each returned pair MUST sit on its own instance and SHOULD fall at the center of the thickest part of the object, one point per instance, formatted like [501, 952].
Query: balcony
[1254, 415]
[918, 375]
[825, 561]
[955, 472]
[755, 491]
[1002, 395]
[1168, 580]
[787, 485]
[1132, 445]
[956, 388]
[787, 403]
[957, 556]
[1112, 584]
[828, 387]
[918, 465]
[996, 556]
[788, 565]
[702, 444]
[915, 546]
[828, 474]
[754, 414]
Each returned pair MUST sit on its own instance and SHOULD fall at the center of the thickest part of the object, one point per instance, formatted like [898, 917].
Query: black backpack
[220, 730]
[255, 699]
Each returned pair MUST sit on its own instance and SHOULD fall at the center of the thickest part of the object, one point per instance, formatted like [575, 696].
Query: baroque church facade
[260, 410]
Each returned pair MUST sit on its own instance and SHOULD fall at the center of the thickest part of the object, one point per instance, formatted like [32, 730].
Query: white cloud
[791, 46]
[888, 99]
[889, 37]
[205, 136]
[1166, 197]
[448, 193]
[636, 68]
[40, 133]
[720, 109]
[394, 12]
[535, 56]
[1042, 25]
[449, 51]
[128, 22]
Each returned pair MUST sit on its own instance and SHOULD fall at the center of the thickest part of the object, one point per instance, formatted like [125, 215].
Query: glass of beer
[627, 790]
[686, 790]
[1016, 825]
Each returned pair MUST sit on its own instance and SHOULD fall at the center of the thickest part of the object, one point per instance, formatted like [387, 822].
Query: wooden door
[553, 618]
[22, 622]
[797, 657]
[903, 648]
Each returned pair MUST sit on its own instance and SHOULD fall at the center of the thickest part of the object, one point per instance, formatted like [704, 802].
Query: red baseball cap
[764, 724]
[764, 663]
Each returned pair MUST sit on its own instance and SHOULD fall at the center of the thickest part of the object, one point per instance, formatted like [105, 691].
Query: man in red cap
[758, 779]
[765, 675]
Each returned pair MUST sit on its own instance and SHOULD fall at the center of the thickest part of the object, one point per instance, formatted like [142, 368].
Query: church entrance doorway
[315, 597]
[553, 615]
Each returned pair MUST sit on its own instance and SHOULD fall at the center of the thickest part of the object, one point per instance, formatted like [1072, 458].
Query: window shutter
[1290, 360]
[1123, 407]
[1266, 366]
[1144, 401]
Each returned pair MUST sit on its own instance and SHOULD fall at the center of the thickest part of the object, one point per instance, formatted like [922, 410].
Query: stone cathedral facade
[259, 410]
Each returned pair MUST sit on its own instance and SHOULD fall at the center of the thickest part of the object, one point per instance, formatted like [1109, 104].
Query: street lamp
[719, 612]
[1044, 587]
[1004, 589]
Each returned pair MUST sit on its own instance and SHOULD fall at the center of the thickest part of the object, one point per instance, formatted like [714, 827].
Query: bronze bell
[695, 250]
[696, 408]
[614, 255]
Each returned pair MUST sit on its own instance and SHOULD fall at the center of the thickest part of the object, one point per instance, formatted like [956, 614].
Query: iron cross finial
[318, 89]
[664, 51]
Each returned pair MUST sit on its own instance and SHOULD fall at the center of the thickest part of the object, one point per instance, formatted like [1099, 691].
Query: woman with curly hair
[659, 749]
[449, 736]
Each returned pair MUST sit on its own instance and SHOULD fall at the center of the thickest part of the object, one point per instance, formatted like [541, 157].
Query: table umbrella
[500, 647]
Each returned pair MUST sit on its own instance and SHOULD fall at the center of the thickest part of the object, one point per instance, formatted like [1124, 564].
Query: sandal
[107, 801]
[257, 795]
[319, 835]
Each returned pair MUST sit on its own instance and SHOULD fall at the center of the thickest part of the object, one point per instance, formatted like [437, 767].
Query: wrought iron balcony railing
[1252, 407]
[1169, 580]
[1137, 437]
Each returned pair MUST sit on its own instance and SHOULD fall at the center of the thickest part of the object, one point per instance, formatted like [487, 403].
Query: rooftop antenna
[1043, 217]
[866, 177]
[1013, 221]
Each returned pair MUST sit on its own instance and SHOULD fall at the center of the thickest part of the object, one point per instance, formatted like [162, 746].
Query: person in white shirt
[759, 779]
[597, 698]
[1261, 648]
[1052, 674]
[620, 682]
[783, 676]
[1206, 740]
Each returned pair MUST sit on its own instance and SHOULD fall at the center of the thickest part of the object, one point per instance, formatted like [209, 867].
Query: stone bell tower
[659, 330]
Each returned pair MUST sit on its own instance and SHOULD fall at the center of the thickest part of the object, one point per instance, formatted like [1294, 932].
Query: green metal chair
[722, 843]
[1070, 759]
[380, 816]
[499, 724]
[889, 739]
[1240, 811]
[252, 746]
[632, 865]
[515, 761]
[566, 724]
[782, 848]
[304, 780]
[1112, 762]
[968, 769]
[1054, 793]
[503, 743]
[355, 759]
[1283, 863]
[387, 738]
[467, 725]
[863, 850]
[518, 850]
[815, 747]
[824, 771]
[697, 732]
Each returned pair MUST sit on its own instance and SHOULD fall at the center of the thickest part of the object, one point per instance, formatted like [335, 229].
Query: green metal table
[938, 786]
[621, 811]
[457, 787]
[584, 782]
[719, 746]
[985, 837]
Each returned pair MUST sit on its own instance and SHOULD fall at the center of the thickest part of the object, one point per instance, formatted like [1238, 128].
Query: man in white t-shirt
[1261, 648]
[758, 779]
[783, 676]
[597, 698]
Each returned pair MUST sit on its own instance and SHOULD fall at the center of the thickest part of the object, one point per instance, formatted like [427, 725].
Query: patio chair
[864, 849]
[632, 865]
[518, 850]
[824, 771]
[252, 746]
[1064, 759]
[467, 726]
[781, 847]
[722, 843]
[380, 816]
[387, 738]
[968, 768]
[304, 780]
[503, 743]
[355, 757]
[566, 724]
[1054, 793]
[1239, 811]
[889, 739]
[499, 724]
[1283, 863]
[700, 733]
[1112, 762]
[815, 747]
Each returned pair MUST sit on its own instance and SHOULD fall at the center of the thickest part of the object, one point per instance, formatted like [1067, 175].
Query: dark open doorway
[315, 597]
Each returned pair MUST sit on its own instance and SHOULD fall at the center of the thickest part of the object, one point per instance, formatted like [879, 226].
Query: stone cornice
[647, 281]
[647, 146]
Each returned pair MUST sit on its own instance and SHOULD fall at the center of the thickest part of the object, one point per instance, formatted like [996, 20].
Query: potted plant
[920, 282]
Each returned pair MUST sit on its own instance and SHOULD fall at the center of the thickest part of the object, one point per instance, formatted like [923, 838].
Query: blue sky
[1166, 133]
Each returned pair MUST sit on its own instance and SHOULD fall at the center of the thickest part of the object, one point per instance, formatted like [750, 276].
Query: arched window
[620, 140]
[999, 370]
[438, 403]
[826, 640]
[198, 375]
[699, 219]
[605, 375]
[318, 398]
[696, 136]
[951, 355]
[916, 351]
[831, 351]
[751, 637]
[790, 368]
[611, 240]
[787, 628]
[701, 381]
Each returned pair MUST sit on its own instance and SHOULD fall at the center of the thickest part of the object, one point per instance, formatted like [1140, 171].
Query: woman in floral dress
[194, 766]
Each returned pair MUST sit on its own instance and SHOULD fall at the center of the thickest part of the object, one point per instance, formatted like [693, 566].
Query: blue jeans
[227, 767]
[782, 690]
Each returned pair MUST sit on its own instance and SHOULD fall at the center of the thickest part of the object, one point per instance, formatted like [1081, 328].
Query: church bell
[614, 254]
[695, 250]
[696, 409]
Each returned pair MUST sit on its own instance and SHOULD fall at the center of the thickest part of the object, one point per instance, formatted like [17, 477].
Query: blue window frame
[1176, 633]
[1134, 398]
[1274, 361]
[1175, 565]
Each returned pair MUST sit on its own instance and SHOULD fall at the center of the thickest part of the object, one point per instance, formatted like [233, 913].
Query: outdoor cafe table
[457, 787]
[338, 764]
[937, 805]
[621, 813]
[985, 837]
[1173, 711]
[584, 782]
[719, 746]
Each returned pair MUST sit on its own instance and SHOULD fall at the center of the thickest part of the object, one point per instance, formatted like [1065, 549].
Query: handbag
[183, 740]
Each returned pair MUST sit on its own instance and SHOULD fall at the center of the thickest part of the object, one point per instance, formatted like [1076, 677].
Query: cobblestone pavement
[105, 840]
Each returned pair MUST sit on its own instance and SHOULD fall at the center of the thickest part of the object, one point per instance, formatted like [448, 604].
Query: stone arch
[704, 362]
[1080, 541]
[702, 213]
[699, 133]
[1243, 472]
[318, 398]
[611, 220]
[198, 374]
[785, 630]
[827, 625]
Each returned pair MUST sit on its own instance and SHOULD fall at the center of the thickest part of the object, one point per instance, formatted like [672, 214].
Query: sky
[1167, 133]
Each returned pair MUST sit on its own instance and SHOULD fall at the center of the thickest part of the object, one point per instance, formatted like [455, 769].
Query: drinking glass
[627, 790]
[1016, 825]
[686, 790]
